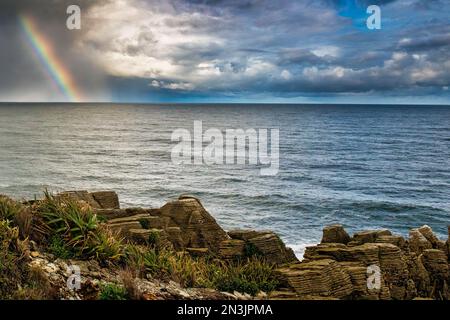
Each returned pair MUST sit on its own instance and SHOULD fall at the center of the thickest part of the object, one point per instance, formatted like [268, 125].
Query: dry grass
[80, 234]
[69, 229]
[128, 279]
[37, 287]
[250, 276]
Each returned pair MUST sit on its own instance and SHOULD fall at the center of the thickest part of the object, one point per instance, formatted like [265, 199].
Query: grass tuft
[248, 276]
[112, 291]
[9, 208]
[73, 230]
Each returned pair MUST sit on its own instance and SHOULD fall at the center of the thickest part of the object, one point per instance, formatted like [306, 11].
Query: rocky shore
[373, 264]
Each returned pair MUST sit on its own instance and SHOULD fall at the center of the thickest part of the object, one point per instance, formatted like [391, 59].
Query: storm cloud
[154, 49]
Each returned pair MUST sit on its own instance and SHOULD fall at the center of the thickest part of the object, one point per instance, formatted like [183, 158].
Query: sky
[243, 51]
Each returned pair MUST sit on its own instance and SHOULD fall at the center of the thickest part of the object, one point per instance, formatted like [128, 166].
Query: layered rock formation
[263, 243]
[371, 264]
[185, 225]
[97, 200]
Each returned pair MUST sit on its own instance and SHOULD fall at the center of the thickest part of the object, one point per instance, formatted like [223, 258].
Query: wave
[299, 248]
[391, 206]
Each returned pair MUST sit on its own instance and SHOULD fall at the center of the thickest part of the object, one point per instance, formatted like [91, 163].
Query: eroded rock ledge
[185, 225]
[340, 267]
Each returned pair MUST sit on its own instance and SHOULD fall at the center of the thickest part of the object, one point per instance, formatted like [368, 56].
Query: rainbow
[43, 49]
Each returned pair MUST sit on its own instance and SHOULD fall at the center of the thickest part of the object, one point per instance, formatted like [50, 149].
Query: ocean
[362, 166]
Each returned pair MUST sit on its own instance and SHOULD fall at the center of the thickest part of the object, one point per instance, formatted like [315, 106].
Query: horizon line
[229, 103]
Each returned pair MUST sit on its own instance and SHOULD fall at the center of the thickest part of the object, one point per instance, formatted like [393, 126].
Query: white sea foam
[299, 249]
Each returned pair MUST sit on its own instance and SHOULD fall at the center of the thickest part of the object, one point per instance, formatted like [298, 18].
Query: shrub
[37, 287]
[250, 250]
[24, 221]
[10, 274]
[127, 277]
[58, 247]
[77, 230]
[144, 223]
[106, 245]
[8, 208]
[249, 276]
[163, 264]
[153, 238]
[16, 278]
[112, 291]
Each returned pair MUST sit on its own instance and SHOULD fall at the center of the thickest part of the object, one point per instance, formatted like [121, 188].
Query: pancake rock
[370, 264]
[408, 269]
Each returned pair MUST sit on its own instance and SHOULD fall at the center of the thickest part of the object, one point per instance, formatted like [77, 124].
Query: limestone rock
[136, 217]
[272, 248]
[283, 295]
[398, 241]
[140, 235]
[394, 269]
[123, 228]
[231, 249]
[246, 235]
[418, 242]
[79, 196]
[110, 214]
[198, 228]
[359, 277]
[356, 259]
[369, 236]
[448, 244]
[175, 237]
[427, 232]
[322, 278]
[335, 251]
[97, 200]
[419, 275]
[442, 245]
[198, 252]
[106, 199]
[146, 220]
[266, 244]
[435, 262]
[153, 237]
[367, 253]
[335, 234]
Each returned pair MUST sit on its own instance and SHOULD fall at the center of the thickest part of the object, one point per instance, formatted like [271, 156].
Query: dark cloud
[204, 48]
[432, 42]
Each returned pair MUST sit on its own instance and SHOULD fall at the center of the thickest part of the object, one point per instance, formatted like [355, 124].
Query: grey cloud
[428, 43]
[249, 46]
[301, 56]
[17, 59]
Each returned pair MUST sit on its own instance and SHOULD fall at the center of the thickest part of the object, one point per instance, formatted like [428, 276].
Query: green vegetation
[250, 250]
[62, 227]
[112, 291]
[8, 208]
[153, 239]
[144, 223]
[249, 276]
[58, 247]
[10, 258]
[77, 231]
[71, 230]
[17, 279]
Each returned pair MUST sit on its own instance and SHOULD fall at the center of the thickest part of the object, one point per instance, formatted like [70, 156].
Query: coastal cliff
[179, 251]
